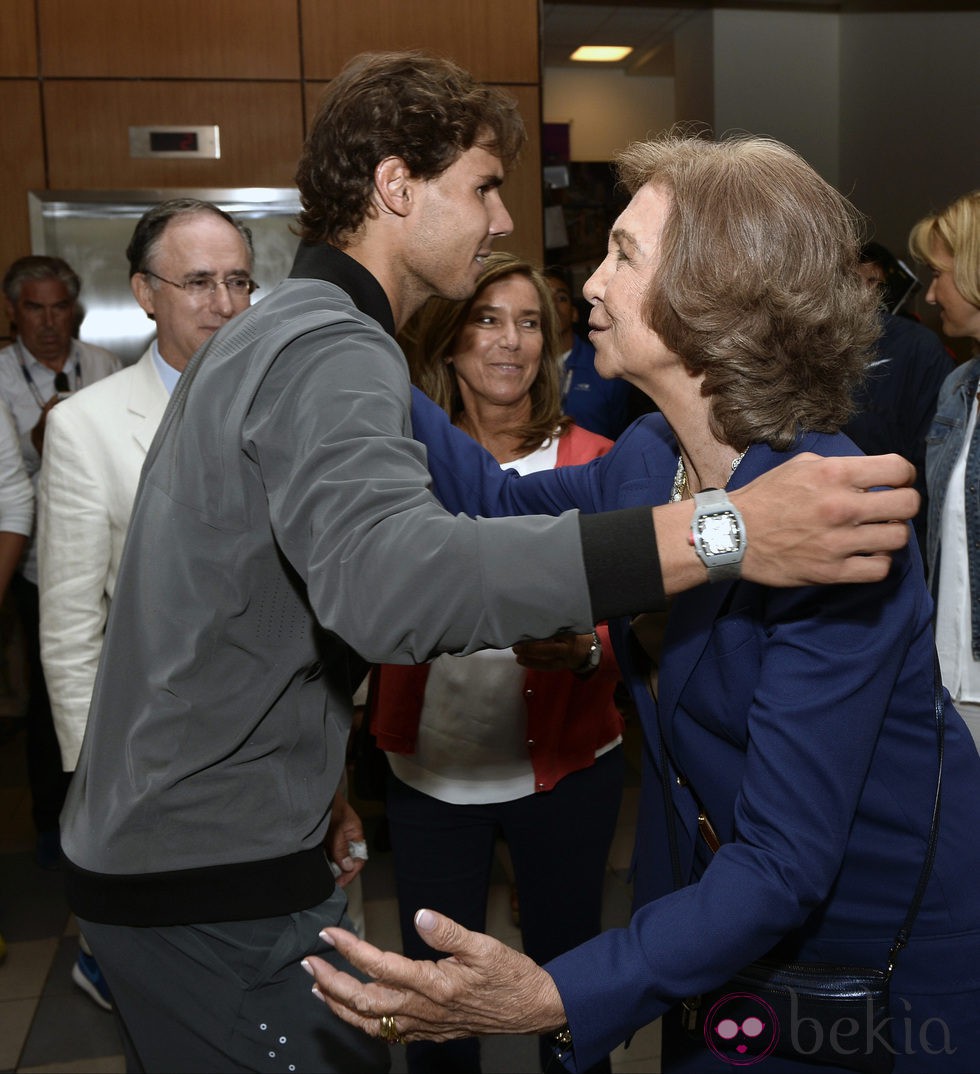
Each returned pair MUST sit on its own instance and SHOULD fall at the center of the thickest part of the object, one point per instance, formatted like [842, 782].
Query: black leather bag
[813, 1012]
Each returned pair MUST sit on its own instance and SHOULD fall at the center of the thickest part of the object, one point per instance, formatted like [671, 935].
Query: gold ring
[389, 1031]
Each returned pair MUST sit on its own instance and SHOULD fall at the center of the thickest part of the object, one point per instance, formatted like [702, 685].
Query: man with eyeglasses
[190, 270]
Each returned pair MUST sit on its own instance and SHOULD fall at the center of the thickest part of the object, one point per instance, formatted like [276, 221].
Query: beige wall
[75, 76]
[885, 106]
[778, 74]
[606, 109]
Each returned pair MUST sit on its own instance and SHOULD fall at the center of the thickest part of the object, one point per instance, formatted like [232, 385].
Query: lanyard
[35, 391]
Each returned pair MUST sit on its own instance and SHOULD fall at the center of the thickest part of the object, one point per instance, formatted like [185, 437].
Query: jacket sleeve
[16, 494]
[385, 567]
[468, 480]
[74, 549]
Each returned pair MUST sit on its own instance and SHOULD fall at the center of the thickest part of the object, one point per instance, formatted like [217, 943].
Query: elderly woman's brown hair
[430, 336]
[757, 288]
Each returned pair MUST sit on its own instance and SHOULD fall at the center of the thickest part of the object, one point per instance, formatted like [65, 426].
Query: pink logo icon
[741, 1029]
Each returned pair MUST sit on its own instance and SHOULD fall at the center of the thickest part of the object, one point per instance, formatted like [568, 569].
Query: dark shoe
[87, 975]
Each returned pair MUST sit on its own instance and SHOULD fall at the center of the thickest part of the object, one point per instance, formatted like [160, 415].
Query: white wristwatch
[718, 534]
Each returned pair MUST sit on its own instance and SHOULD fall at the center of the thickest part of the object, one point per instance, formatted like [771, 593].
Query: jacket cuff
[621, 562]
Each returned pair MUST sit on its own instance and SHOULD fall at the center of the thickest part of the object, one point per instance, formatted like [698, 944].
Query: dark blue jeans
[559, 844]
[49, 782]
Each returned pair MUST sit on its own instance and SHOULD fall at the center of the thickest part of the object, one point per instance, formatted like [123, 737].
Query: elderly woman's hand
[482, 987]
[563, 652]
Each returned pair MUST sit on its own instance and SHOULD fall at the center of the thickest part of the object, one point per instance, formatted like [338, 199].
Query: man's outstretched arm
[810, 520]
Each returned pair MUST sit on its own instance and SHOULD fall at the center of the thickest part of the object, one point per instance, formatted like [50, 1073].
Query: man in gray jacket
[284, 531]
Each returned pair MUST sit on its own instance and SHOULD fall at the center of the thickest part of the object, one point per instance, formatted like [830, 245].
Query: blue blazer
[803, 722]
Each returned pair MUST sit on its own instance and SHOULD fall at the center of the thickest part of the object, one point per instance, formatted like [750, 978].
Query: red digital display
[173, 142]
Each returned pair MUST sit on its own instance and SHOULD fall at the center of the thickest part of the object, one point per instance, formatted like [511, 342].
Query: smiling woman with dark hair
[791, 760]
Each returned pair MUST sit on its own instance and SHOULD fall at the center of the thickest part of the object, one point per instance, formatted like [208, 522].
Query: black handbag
[813, 1012]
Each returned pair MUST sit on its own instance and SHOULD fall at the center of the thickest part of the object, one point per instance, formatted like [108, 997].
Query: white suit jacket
[94, 447]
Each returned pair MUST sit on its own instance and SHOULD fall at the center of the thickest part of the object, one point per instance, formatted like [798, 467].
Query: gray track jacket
[284, 524]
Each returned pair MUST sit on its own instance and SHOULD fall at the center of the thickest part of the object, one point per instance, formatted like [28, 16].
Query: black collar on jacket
[318, 261]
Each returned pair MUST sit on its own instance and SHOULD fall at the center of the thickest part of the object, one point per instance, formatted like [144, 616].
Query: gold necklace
[679, 488]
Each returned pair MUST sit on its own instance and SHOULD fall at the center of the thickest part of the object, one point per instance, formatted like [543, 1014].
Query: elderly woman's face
[497, 353]
[625, 346]
[960, 319]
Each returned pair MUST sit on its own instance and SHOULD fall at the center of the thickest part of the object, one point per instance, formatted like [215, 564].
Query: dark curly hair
[757, 287]
[412, 105]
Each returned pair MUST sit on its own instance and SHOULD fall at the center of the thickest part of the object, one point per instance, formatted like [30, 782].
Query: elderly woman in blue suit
[799, 723]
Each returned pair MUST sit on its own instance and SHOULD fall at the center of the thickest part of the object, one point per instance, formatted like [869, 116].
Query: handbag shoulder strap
[920, 888]
[902, 938]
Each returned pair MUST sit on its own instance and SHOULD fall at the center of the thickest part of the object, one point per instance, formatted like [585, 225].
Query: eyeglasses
[205, 286]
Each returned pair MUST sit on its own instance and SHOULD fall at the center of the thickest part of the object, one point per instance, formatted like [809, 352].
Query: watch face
[719, 533]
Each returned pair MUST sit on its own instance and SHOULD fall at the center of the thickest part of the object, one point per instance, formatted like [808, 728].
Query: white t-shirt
[961, 673]
[472, 737]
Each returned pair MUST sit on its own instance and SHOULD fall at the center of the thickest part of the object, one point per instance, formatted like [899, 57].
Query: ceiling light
[601, 53]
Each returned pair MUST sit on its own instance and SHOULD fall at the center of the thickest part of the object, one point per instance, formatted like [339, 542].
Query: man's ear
[8, 308]
[394, 187]
[143, 293]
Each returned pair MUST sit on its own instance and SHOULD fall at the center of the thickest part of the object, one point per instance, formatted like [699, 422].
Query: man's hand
[812, 520]
[344, 830]
[483, 987]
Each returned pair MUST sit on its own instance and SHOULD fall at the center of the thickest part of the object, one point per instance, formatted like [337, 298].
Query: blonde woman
[949, 243]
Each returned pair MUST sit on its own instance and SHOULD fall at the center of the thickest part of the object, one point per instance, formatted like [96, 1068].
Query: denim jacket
[943, 445]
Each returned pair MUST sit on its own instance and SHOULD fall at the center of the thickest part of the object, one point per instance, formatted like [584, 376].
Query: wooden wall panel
[18, 42]
[523, 187]
[497, 40]
[177, 39]
[261, 131]
[21, 169]
[74, 76]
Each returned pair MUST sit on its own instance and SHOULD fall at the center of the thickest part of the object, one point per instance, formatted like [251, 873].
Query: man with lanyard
[42, 365]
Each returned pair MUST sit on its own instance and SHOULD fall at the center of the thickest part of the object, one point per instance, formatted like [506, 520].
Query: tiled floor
[48, 1025]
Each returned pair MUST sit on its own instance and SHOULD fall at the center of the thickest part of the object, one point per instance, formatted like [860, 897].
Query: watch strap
[723, 566]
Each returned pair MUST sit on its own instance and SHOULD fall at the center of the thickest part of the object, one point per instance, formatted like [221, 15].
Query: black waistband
[239, 892]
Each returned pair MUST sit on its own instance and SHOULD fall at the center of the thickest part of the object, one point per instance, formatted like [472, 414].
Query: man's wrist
[718, 534]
